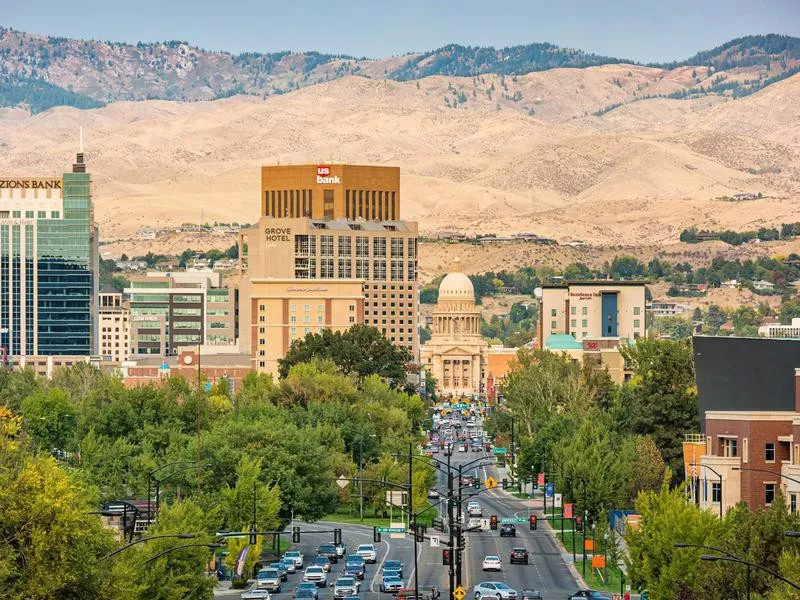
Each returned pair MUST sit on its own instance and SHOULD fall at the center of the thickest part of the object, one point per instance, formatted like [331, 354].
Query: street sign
[513, 520]
[499, 450]
[490, 483]
[459, 593]
[550, 490]
[342, 482]
[392, 529]
[434, 541]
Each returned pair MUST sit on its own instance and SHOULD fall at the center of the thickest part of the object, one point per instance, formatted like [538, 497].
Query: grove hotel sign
[324, 175]
[278, 234]
[30, 184]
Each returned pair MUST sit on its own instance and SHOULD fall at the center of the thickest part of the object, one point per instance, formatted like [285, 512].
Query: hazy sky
[642, 30]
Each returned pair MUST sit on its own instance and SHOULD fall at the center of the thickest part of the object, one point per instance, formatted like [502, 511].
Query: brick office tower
[325, 231]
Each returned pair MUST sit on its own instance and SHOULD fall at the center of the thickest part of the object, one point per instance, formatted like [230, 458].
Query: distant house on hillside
[731, 284]
[763, 286]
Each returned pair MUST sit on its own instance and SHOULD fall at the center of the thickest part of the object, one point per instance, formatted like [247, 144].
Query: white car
[367, 551]
[494, 589]
[296, 556]
[316, 575]
[433, 494]
[474, 509]
[492, 563]
[346, 586]
[254, 593]
[475, 524]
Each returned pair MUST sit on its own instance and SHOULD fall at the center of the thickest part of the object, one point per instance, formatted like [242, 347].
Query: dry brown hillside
[635, 176]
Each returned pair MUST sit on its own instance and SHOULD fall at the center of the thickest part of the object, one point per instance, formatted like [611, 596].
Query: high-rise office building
[113, 325]
[336, 225]
[48, 265]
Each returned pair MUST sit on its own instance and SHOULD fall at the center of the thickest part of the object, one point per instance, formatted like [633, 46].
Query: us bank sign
[324, 175]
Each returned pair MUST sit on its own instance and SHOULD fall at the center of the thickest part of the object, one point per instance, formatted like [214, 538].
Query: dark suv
[508, 530]
[329, 552]
[519, 555]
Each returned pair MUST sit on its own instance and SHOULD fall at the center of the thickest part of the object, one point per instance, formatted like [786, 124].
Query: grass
[612, 576]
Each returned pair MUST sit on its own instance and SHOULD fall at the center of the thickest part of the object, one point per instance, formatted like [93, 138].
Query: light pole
[160, 554]
[158, 483]
[149, 488]
[718, 474]
[712, 558]
[721, 551]
[180, 536]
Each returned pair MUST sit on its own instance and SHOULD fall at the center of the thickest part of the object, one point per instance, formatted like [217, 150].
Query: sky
[639, 30]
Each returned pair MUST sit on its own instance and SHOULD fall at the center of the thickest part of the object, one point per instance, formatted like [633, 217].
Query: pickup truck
[329, 551]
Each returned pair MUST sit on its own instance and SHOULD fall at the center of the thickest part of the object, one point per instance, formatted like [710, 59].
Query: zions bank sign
[30, 184]
[324, 175]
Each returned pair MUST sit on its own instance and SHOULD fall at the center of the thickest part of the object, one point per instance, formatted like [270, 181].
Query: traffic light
[505, 483]
[438, 524]
[337, 536]
[493, 522]
[295, 535]
[376, 535]
[446, 559]
[534, 522]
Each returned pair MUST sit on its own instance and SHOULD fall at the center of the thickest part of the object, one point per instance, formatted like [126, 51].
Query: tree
[577, 272]
[49, 544]
[361, 351]
[50, 418]
[236, 503]
[665, 519]
[647, 467]
[626, 267]
[664, 395]
[790, 309]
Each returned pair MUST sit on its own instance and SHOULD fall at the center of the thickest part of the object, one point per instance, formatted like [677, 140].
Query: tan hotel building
[329, 236]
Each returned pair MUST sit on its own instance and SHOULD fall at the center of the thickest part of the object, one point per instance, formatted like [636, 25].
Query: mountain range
[40, 71]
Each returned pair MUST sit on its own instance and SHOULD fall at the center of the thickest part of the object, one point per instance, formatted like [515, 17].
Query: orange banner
[588, 545]
[598, 562]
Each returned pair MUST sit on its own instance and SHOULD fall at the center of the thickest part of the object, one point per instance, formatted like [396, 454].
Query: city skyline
[658, 32]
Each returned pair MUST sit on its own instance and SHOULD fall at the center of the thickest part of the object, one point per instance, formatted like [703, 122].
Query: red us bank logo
[324, 175]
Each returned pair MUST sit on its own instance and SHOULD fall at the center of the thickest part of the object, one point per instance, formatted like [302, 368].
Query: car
[352, 598]
[475, 524]
[390, 573]
[474, 509]
[254, 593]
[315, 574]
[531, 595]
[477, 448]
[433, 494]
[307, 594]
[519, 555]
[508, 530]
[391, 584]
[269, 579]
[289, 564]
[296, 556]
[329, 551]
[281, 568]
[345, 586]
[394, 565]
[494, 589]
[589, 595]
[462, 447]
[492, 563]
[341, 549]
[368, 552]
[354, 569]
[322, 561]
[306, 586]
[354, 558]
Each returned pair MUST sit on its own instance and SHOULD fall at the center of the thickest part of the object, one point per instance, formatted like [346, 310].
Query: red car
[519, 555]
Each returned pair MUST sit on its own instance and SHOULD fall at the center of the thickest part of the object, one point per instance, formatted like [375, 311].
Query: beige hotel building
[329, 251]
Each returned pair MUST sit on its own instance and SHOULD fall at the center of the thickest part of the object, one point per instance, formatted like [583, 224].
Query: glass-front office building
[48, 265]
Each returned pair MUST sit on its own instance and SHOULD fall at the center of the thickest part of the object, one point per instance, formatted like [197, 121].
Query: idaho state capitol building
[456, 353]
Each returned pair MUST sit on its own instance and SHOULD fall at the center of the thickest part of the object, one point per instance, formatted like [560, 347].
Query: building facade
[777, 330]
[169, 311]
[331, 191]
[113, 326]
[284, 310]
[456, 353]
[48, 265]
[592, 310]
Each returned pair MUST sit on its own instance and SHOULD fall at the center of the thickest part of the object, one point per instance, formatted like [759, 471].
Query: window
[15, 214]
[345, 268]
[293, 307]
[573, 310]
[326, 245]
[729, 447]
[320, 307]
[716, 492]
[585, 310]
[397, 247]
[28, 214]
[636, 323]
[553, 312]
[636, 310]
[584, 322]
[327, 203]
[42, 214]
[306, 307]
[793, 503]
[553, 325]
[362, 268]
[769, 493]
[397, 270]
[769, 452]
[362, 246]
[573, 323]
[345, 245]
[55, 214]
[379, 247]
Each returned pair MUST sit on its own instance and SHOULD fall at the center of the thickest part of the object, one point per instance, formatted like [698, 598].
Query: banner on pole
[567, 511]
[240, 560]
[540, 480]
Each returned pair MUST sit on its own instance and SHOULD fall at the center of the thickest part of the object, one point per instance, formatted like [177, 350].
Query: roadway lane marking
[418, 551]
[379, 566]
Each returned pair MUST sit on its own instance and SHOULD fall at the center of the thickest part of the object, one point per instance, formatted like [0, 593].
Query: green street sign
[391, 529]
[499, 450]
[513, 520]
[507, 520]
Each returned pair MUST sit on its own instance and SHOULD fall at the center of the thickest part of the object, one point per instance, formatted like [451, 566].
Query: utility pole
[413, 516]
[460, 549]
[452, 526]
[360, 477]
[197, 421]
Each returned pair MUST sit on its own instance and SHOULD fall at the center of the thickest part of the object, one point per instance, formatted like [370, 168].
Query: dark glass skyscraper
[48, 265]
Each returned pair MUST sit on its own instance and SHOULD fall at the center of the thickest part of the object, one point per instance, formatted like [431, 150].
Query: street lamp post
[160, 554]
[585, 525]
[158, 484]
[149, 487]
[718, 474]
[721, 551]
[180, 536]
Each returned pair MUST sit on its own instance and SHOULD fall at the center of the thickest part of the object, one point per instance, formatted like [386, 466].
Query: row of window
[288, 203]
[370, 204]
[306, 268]
[29, 214]
[585, 311]
[306, 245]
